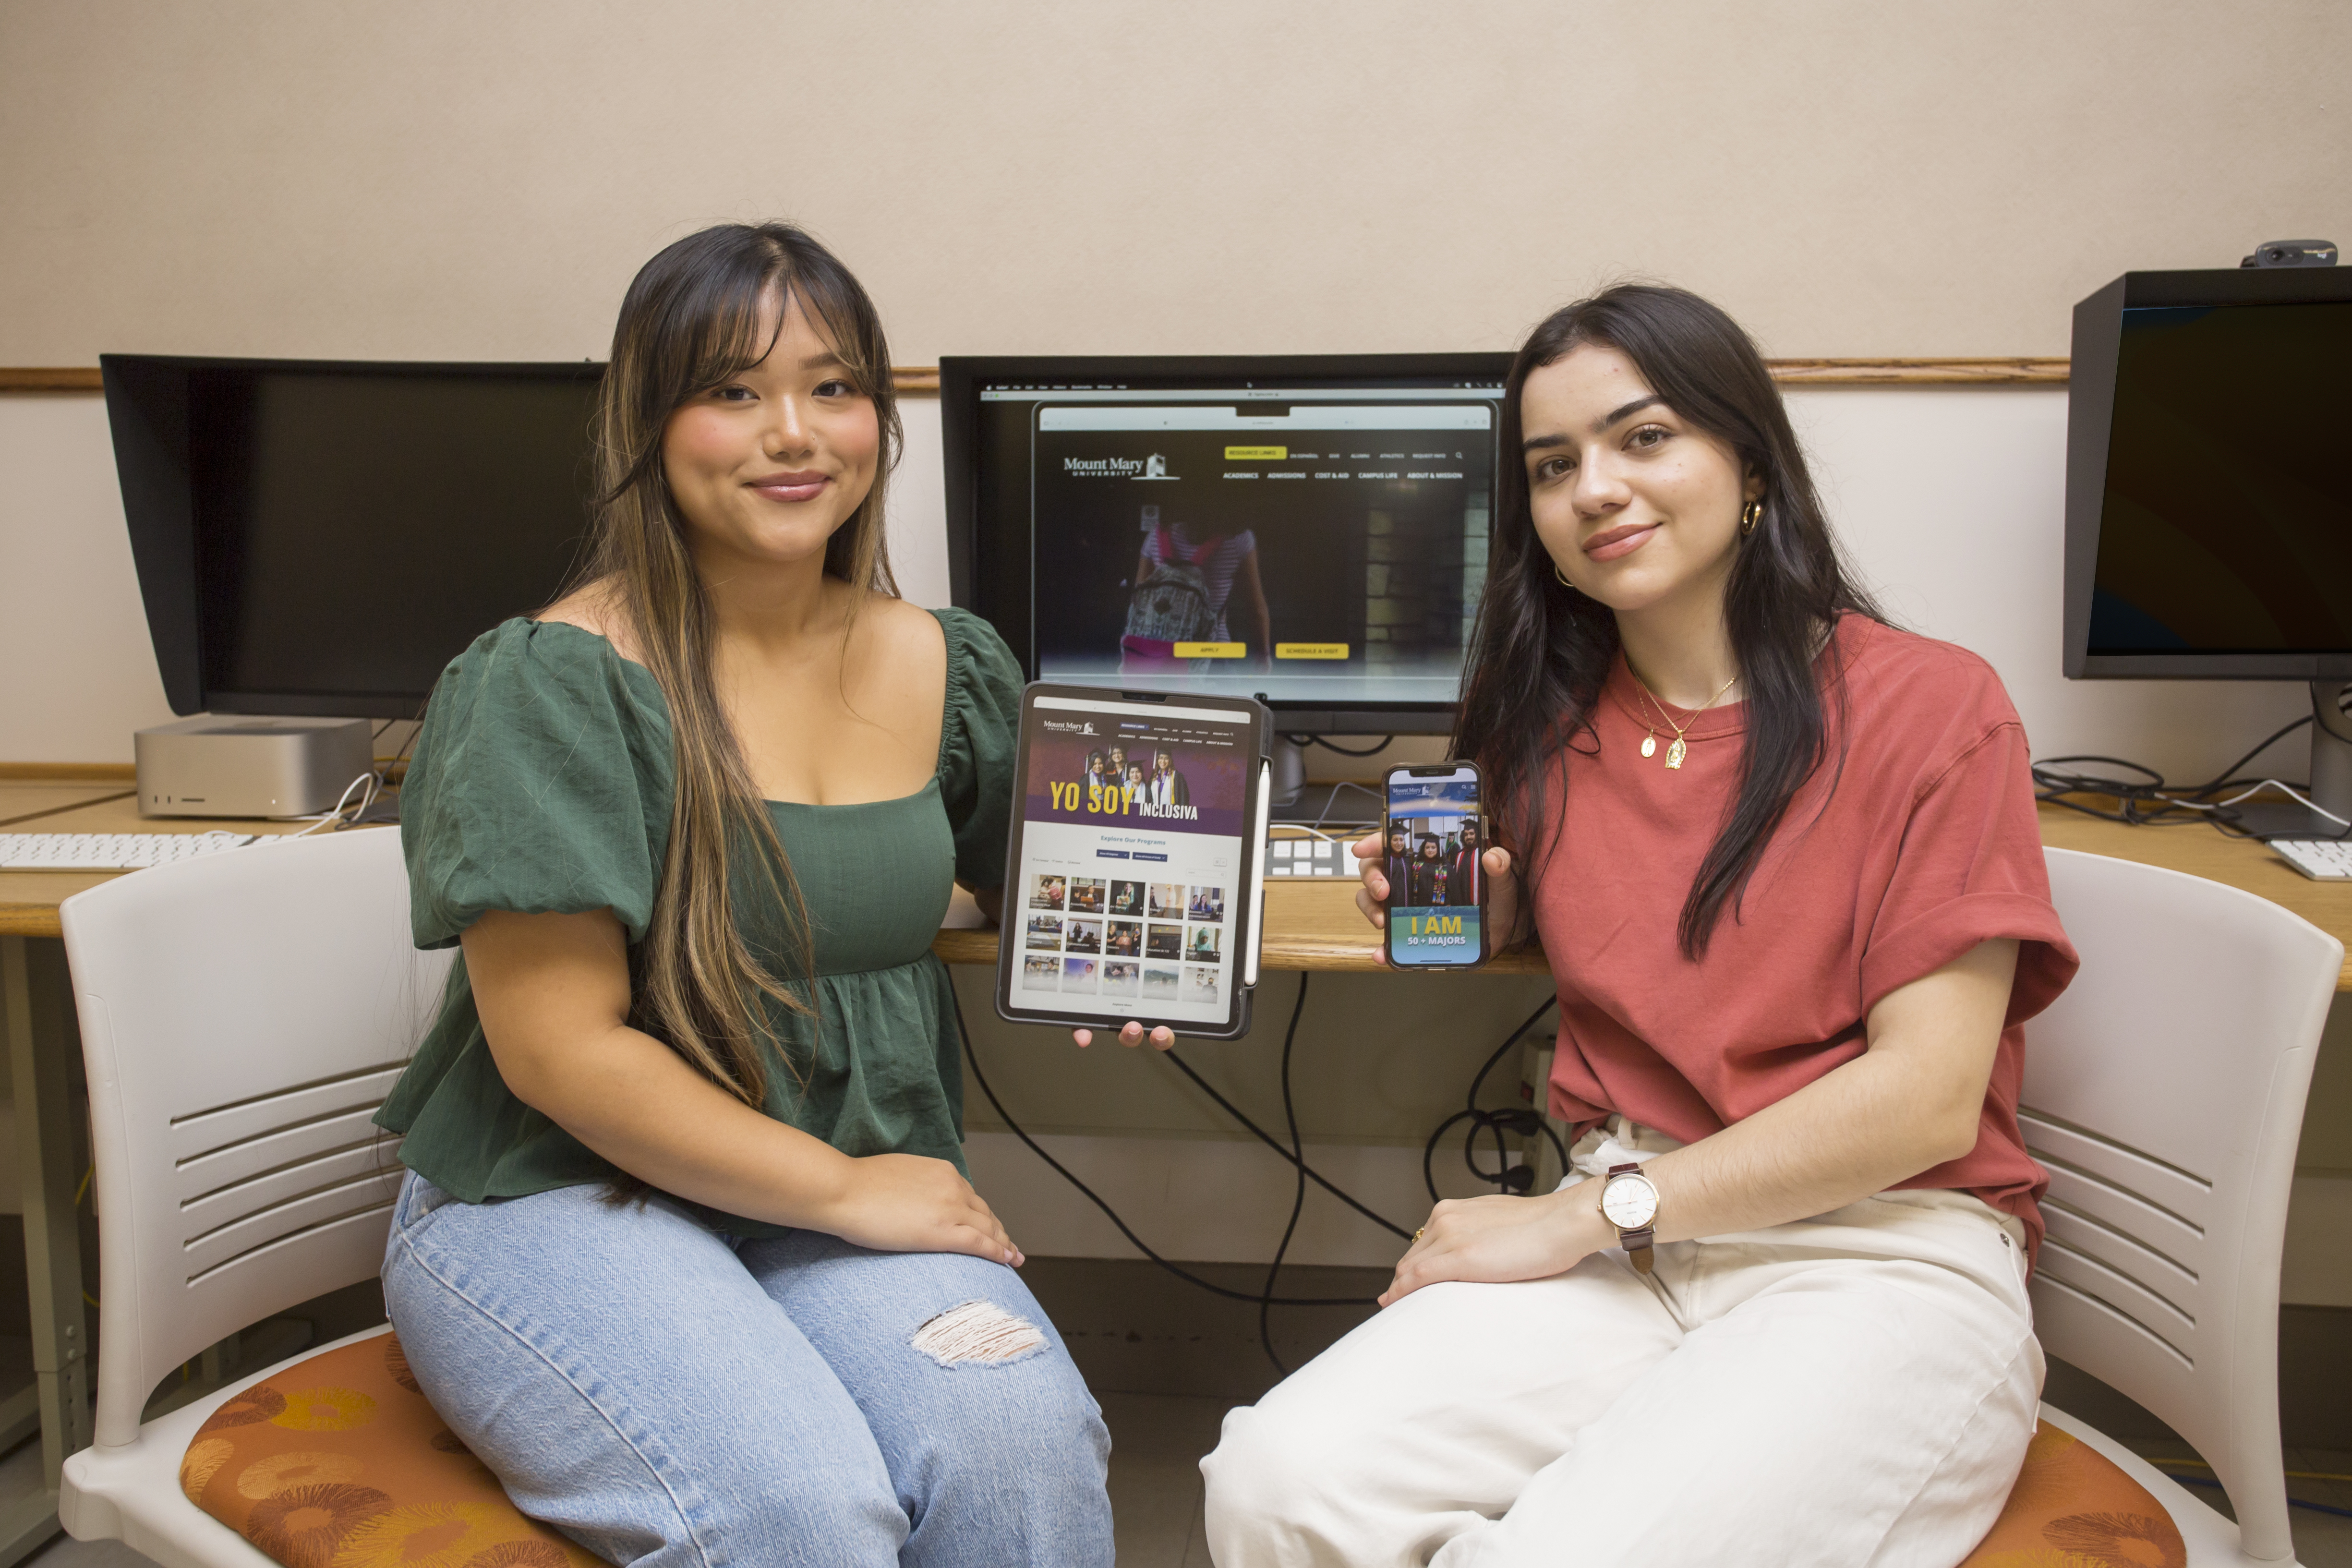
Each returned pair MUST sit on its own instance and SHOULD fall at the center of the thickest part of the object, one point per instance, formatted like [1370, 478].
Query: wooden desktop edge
[1313, 925]
[923, 379]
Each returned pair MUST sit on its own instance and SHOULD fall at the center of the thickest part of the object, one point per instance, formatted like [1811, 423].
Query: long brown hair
[691, 319]
[1542, 649]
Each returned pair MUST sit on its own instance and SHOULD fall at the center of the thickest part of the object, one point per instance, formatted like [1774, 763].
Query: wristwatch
[1630, 1202]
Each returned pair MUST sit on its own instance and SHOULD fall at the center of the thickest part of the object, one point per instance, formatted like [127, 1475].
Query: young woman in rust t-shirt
[1783, 859]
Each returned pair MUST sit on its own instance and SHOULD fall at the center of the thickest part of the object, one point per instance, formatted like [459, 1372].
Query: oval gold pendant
[1676, 752]
[1649, 745]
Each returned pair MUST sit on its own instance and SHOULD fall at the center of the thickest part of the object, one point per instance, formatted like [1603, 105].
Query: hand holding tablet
[1133, 889]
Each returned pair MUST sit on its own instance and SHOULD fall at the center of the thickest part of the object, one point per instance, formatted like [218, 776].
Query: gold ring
[1417, 1235]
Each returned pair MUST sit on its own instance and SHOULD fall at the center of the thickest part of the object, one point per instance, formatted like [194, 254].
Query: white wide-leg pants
[1857, 1389]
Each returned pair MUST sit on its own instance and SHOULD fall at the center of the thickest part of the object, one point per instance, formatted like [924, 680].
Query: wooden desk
[29, 899]
[25, 804]
[1308, 925]
[1314, 925]
[2202, 852]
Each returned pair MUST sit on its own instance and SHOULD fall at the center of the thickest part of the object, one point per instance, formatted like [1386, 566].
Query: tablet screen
[1128, 895]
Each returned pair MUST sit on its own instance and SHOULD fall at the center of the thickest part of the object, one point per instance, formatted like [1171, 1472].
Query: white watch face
[1629, 1201]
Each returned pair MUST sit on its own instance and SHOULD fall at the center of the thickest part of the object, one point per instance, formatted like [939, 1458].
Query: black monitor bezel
[961, 376]
[2090, 417]
[147, 410]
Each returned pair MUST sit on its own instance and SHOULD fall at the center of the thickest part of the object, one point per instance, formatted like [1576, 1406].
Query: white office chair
[242, 1016]
[2164, 1094]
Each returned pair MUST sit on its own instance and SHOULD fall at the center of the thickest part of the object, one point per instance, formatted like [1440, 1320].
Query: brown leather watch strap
[1639, 1244]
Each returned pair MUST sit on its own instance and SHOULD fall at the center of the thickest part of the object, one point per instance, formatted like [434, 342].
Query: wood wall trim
[923, 379]
[48, 378]
[69, 772]
[1918, 372]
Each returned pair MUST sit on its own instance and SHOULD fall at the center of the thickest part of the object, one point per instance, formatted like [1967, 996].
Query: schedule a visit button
[1310, 650]
[1212, 650]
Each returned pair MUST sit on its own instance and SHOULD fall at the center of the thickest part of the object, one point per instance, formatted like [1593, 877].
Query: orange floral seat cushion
[2072, 1508]
[339, 1462]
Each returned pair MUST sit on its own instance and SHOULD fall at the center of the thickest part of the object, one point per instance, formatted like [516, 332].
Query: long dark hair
[1542, 650]
[691, 319]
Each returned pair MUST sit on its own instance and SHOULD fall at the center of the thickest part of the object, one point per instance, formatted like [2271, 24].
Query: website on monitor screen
[1131, 857]
[1327, 548]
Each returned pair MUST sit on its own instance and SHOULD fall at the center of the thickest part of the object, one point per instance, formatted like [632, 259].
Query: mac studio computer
[2209, 495]
[316, 540]
[1310, 532]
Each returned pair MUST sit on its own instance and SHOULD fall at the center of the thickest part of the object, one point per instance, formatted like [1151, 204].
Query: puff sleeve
[541, 784]
[976, 745]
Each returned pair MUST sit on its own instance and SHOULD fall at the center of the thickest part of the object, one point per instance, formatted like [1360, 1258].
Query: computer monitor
[1310, 531]
[2208, 498]
[322, 538]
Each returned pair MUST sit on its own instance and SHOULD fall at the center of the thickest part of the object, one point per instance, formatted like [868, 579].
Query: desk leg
[39, 1063]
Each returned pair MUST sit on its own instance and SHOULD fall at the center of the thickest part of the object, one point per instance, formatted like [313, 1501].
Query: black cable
[1333, 799]
[1506, 1177]
[2148, 799]
[1374, 749]
[1271, 1142]
[2220, 784]
[1190, 1278]
[1298, 1194]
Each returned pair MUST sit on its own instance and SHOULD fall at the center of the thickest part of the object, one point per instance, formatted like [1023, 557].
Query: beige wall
[438, 179]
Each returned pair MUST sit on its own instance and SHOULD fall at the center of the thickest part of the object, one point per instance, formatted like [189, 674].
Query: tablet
[1132, 886]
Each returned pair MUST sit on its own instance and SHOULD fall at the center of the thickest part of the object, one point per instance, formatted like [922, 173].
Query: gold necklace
[1677, 751]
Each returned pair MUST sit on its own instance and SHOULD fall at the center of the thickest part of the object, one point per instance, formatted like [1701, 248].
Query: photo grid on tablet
[1132, 853]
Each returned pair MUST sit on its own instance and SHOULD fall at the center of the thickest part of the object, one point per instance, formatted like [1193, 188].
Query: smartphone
[1430, 838]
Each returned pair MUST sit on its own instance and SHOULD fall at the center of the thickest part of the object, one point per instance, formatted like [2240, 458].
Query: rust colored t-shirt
[1913, 842]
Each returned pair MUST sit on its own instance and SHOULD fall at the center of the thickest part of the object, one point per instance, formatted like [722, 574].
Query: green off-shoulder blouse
[542, 784]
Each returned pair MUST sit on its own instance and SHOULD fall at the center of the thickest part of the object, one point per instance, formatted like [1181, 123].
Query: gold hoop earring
[1750, 517]
[1562, 576]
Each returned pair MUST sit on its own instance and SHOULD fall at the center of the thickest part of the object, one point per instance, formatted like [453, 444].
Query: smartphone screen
[1430, 841]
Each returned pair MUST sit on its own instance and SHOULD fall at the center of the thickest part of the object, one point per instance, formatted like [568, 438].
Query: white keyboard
[109, 851]
[1309, 858]
[2321, 859]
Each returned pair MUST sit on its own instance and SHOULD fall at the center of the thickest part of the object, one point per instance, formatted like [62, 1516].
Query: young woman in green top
[687, 1253]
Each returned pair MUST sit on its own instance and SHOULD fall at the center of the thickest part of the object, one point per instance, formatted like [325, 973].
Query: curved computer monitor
[1309, 531]
[2209, 493]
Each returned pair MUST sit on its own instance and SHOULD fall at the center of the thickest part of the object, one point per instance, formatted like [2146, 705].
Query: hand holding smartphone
[1430, 855]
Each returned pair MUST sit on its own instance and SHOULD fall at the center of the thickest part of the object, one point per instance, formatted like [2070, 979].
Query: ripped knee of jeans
[977, 1333]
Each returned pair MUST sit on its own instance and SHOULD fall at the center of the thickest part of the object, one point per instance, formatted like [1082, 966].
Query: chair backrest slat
[220, 1170]
[232, 1205]
[208, 1130]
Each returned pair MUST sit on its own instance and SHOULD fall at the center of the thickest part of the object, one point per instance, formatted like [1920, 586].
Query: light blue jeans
[669, 1396]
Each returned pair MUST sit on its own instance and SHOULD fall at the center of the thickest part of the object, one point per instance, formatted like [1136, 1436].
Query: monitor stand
[2330, 775]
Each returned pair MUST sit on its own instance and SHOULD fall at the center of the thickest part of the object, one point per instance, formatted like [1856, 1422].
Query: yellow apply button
[1212, 650]
[1310, 650]
[1256, 454]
